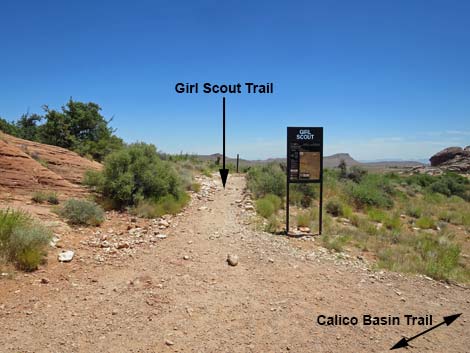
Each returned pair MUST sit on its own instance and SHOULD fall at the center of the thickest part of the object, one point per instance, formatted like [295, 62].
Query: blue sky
[386, 79]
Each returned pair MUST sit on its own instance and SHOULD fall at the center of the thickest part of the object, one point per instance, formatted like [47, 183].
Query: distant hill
[328, 161]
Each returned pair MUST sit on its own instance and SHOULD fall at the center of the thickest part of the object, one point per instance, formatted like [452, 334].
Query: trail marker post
[238, 159]
[305, 162]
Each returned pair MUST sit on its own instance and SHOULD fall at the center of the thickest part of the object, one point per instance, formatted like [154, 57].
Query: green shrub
[22, 240]
[82, 212]
[27, 246]
[266, 179]
[94, 179]
[369, 194]
[335, 207]
[157, 208]
[304, 219]
[425, 222]
[268, 205]
[414, 211]
[347, 211]
[336, 242]
[302, 194]
[134, 174]
[265, 207]
[392, 222]
[427, 254]
[275, 200]
[450, 184]
[43, 196]
[377, 215]
[356, 174]
[273, 225]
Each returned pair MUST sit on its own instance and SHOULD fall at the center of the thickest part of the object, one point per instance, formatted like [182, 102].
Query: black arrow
[404, 341]
[223, 171]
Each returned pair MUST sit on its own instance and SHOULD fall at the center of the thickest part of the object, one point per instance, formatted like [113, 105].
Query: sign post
[305, 162]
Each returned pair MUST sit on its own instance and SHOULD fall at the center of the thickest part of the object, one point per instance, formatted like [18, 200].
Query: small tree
[136, 173]
[343, 169]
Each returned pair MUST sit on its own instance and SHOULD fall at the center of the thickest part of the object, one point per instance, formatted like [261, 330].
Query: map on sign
[309, 166]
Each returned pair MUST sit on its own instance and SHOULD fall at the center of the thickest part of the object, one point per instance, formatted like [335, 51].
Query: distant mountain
[334, 160]
[328, 161]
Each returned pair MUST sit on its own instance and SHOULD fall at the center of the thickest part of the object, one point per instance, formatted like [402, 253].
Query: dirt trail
[160, 302]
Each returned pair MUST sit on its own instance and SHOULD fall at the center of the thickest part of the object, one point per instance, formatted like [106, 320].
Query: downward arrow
[223, 171]
[404, 341]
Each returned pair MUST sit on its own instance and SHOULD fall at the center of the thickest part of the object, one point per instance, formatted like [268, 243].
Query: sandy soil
[180, 295]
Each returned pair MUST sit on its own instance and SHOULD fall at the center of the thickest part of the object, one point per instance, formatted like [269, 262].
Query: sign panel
[304, 154]
[305, 162]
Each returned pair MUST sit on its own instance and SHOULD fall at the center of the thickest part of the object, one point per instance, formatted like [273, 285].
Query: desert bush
[336, 242]
[413, 211]
[265, 207]
[425, 222]
[43, 196]
[268, 205]
[22, 240]
[136, 173]
[370, 192]
[82, 212]
[273, 224]
[275, 200]
[266, 179]
[334, 207]
[302, 194]
[94, 179]
[304, 219]
[356, 174]
[377, 215]
[434, 256]
[157, 208]
[392, 222]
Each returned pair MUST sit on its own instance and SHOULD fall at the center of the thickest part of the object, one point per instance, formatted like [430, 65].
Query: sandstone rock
[445, 155]
[453, 159]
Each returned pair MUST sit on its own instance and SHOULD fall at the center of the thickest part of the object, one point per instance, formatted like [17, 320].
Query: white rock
[163, 223]
[54, 241]
[66, 256]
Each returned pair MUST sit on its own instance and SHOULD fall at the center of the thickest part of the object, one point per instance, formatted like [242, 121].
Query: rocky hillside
[454, 159]
[28, 166]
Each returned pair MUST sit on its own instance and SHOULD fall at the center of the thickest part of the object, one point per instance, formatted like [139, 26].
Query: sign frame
[303, 140]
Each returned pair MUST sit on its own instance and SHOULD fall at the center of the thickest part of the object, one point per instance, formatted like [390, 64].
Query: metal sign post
[305, 162]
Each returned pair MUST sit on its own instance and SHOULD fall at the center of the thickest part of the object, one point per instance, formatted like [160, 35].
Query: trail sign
[304, 161]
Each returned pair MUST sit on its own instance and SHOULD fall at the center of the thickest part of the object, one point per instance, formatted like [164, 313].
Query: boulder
[453, 159]
[445, 155]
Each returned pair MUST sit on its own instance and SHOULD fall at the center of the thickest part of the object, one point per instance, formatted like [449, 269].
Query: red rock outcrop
[27, 165]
